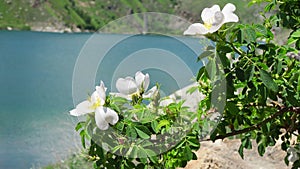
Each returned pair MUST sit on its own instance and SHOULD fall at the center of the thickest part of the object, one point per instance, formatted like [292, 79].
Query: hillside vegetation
[79, 15]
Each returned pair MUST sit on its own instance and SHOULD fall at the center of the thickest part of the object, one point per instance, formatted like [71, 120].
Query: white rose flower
[213, 19]
[129, 86]
[103, 115]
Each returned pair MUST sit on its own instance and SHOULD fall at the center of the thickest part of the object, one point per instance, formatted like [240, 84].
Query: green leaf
[241, 151]
[269, 6]
[114, 107]
[142, 134]
[194, 142]
[240, 36]
[146, 143]
[188, 154]
[224, 60]
[261, 29]
[201, 72]
[263, 94]
[296, 34]
[247, 143]
[297, 45]
[279, 67]
[291, 40]
[133, 153]
[154, 126]
[249, 73]
[291, 98]
[298, 87]
[162, 123]
[236, 123]
[82, 135]
[210, 48]
[142, 155]
[131, 132]
[268, 80]
[232, 108]
[205, 54]
[240, 74]
[80, 125]
[152, 155]
[211, 68]
[261, 149]
[120, 126]
[249, 34]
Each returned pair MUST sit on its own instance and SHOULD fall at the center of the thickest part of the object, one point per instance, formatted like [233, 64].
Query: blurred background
[90, 15]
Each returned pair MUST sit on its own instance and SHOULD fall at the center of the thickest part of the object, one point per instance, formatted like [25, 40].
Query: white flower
[213, 19]
[103, 115]
[293, 154]
[138, 86]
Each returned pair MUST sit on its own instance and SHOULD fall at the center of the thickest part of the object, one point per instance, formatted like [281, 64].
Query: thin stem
[259, 125]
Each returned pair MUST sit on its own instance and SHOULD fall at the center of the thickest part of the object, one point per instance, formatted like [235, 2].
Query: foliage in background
[263, 81]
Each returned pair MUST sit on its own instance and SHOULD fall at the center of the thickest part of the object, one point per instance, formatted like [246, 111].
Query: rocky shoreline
[53, 29]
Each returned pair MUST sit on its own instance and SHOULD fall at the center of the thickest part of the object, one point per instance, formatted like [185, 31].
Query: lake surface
[42, 75]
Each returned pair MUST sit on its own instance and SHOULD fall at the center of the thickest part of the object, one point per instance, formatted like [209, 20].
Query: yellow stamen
[207, 25]
[96, 104]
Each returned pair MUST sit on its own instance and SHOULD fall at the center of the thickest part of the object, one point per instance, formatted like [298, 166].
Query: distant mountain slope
[78, 15]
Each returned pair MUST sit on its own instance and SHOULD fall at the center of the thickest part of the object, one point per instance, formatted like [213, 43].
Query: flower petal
[196, 28]
[146, 81]
[150, 92]
[214, 28]
[96, 100]
[228, 13]
[142, 80]
[126, 86]
[208, 13]
[82, 109]
[101, 91]
[100, 119]
[85, 107]
[75, 112]
[111, 116]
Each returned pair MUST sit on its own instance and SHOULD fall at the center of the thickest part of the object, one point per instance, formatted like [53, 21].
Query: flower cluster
[95, 104]
[213, 19]
[132, 89]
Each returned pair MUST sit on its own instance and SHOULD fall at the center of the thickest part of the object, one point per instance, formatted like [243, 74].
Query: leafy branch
[282, 111]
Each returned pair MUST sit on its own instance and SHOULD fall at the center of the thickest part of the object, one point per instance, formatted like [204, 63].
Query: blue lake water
[37, 76]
